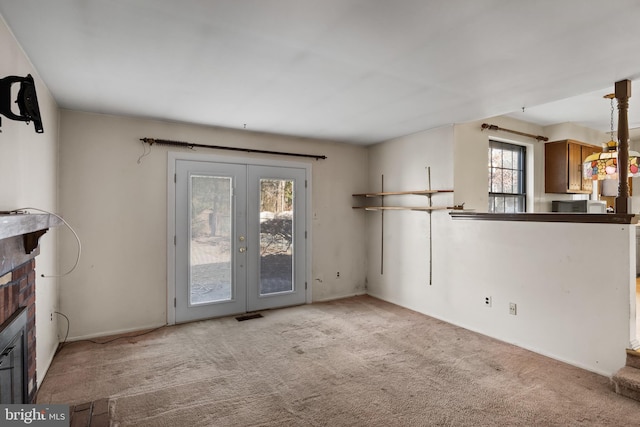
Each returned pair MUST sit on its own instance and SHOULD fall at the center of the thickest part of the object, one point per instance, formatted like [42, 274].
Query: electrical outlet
[487, 301]
[338, 274]
[51, 316]
[513, 308]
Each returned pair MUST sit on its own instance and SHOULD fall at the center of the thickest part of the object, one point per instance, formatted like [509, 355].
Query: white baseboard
[333, 298]
[114, 332]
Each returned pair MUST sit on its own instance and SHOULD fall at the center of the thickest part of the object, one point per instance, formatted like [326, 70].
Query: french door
[240, 238]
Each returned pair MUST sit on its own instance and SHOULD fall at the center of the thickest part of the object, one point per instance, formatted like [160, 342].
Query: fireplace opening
[13, 359]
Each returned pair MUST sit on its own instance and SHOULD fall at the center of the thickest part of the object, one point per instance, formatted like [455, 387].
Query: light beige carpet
[352, 362]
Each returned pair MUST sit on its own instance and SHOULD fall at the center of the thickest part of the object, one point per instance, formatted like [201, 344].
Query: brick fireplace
[19, 293]
[19, 234]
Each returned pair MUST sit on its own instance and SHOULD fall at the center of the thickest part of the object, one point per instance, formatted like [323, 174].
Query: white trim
[529, 168]
[47, 363]
[171, 232]
[114, 332]
[308, 280]
[172, 158]
[337, 297]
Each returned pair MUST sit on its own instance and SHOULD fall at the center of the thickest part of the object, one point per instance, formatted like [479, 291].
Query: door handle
[242, 250]
[7, 352]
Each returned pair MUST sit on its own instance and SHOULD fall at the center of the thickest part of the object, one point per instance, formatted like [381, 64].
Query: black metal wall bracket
[27, 100]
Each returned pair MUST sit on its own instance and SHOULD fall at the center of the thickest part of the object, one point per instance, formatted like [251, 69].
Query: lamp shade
[605, 165]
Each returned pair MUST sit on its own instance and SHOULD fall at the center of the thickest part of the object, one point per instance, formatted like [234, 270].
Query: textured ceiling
[348, 70]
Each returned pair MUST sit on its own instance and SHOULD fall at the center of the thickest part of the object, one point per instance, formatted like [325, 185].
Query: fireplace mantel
[19, 236]
[20, 224]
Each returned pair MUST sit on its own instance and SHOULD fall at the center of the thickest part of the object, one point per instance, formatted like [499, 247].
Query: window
[507, 177]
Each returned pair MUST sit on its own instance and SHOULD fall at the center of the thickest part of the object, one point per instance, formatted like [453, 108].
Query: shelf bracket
[31, 240]
[382, 226]
[430, 228]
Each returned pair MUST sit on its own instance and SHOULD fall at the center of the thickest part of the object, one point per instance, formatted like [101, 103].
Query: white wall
[403, 162]
[568, 307]
[562, 131]
[28, 168]
[119, 210]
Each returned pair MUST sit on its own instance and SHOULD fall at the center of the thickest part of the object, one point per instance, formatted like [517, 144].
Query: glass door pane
[276, 218]
[210, 254]
[210, 242]
[276, 235]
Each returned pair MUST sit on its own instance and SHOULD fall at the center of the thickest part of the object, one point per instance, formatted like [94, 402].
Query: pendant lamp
[604, 165]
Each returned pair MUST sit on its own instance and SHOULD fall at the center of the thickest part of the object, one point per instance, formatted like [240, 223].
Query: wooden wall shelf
[427, 193]
[429, 209]
[401, 193]
[408, 208]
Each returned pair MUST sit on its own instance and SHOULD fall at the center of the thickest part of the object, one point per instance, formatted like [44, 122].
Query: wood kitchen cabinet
[563, 166]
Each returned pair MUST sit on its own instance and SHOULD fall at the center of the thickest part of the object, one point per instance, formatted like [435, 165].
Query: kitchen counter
[548, 217]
